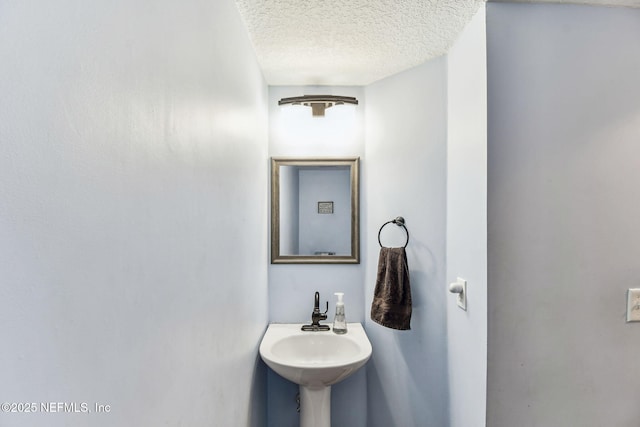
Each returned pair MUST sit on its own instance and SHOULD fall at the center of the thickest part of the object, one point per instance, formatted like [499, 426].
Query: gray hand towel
[391, 305]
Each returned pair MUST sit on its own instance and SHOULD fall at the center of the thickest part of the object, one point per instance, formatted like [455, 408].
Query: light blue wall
[293, 132]
[467, 223]
[133, 198]
[564, 203]
[406, 175]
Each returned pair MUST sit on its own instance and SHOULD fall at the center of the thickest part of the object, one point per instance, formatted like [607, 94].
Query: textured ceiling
[349, 42]
[356, 42]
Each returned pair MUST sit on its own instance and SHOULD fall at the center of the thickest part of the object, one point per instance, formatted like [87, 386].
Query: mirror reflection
[314, 208]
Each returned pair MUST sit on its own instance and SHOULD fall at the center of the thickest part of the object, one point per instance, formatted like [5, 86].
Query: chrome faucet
[316, 317]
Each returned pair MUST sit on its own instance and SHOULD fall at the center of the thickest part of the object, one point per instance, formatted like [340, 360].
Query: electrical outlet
[633, 305]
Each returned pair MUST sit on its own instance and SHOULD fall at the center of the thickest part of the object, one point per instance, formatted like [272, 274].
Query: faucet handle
[325, 312]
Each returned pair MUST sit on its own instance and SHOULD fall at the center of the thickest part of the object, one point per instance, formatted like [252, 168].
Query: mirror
[315, 213]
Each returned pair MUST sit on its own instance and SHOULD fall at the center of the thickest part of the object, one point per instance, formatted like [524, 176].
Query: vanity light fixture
[319, 103]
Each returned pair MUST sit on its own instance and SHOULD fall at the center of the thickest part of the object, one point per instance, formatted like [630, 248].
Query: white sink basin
[314, 359]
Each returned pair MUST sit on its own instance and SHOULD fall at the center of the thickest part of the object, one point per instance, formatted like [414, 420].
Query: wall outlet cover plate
[633, 305]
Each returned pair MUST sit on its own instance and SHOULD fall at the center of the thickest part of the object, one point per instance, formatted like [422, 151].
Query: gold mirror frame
[354, 257]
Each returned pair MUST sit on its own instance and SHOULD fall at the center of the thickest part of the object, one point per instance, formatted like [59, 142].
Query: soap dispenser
[339, 322]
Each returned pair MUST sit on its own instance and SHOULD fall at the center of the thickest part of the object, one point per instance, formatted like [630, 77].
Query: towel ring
[399, 221]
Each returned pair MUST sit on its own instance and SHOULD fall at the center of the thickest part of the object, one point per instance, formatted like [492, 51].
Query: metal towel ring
[399, 221]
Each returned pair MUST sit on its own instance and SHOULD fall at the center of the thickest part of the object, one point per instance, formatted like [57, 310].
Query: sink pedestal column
[315, 406]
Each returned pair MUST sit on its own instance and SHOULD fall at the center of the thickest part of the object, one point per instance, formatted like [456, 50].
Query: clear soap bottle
[339, 322]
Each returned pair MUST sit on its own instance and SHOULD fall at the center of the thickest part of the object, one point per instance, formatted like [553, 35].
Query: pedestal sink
[315, 360]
